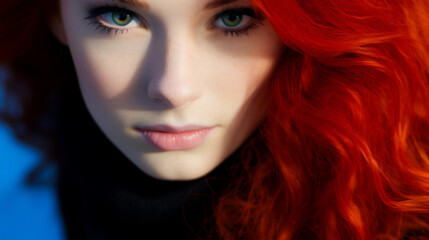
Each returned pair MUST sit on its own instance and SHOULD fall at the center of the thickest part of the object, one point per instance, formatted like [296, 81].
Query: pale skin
[172, 64]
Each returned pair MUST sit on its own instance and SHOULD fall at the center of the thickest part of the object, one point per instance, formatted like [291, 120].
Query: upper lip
[168, 128]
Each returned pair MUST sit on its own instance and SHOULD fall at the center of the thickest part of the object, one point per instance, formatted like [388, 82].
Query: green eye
[121, 18]
[231, 19]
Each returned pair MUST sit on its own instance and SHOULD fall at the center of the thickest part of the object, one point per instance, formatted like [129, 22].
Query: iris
[121, 18]
[231, 19]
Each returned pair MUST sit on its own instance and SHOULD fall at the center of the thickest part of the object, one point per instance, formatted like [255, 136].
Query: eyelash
[257, 20]
[96, 12]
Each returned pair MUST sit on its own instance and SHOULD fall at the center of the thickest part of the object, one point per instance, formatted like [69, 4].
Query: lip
[170, 138]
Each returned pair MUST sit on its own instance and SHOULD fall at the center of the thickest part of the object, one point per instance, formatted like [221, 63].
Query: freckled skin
[175, 71]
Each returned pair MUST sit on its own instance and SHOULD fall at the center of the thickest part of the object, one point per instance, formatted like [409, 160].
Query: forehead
[173, 12]
[207, 4]
[155, 5]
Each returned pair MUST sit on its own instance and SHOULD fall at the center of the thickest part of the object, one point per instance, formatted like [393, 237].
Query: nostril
[163, 101]
[173, 93]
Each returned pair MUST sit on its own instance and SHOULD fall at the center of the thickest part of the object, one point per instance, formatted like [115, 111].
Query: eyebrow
[137, 3]
[217, 3]
[211, 5]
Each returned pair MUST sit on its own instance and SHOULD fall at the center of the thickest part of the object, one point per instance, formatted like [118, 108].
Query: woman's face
[176, 85]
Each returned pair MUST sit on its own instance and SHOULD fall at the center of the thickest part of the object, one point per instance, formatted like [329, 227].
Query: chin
[177, 169]
[175, 177]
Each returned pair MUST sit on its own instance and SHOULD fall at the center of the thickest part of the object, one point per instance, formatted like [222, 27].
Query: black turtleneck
[104, 196]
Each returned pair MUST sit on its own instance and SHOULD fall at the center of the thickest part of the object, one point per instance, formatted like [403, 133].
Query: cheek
[245, 65]
[108, 66]
[241, 83]
[104, 66]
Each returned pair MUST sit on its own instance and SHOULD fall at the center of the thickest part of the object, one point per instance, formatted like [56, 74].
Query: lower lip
[173, 141]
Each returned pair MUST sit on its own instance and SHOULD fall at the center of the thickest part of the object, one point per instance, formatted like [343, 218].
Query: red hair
[344, 153]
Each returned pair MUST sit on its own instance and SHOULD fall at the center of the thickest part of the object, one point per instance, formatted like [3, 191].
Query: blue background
[26, 212]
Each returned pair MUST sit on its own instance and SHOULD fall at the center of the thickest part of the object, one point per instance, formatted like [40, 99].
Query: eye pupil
[121, 18]
[231, 20]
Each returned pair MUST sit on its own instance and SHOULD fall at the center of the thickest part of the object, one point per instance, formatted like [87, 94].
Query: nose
[175, 83]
